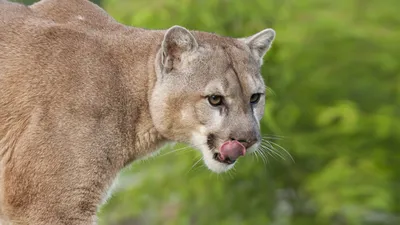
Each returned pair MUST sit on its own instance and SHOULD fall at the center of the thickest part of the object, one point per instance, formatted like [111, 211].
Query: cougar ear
[177, 40]
[260, 43]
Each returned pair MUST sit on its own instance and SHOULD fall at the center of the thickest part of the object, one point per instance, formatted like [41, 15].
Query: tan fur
[82, 96]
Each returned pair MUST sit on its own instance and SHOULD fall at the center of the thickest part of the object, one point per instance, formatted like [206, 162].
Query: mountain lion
[82, 96]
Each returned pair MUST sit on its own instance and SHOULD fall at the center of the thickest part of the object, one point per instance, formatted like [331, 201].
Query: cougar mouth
[220, 157]
[228, 152]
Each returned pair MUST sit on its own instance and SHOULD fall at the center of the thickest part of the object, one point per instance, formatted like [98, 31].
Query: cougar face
[210, 93]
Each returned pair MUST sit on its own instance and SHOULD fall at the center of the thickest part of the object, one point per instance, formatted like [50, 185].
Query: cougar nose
[246, 133]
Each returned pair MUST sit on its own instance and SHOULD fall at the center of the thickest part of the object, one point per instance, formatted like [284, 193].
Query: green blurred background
[334, 104]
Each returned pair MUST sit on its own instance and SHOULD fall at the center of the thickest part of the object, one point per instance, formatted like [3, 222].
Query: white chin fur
[213, 164]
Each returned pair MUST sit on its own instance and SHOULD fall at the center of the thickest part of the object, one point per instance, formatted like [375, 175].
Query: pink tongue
[232, 150]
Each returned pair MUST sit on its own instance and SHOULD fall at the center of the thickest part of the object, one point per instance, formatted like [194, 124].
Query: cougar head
[210, 94]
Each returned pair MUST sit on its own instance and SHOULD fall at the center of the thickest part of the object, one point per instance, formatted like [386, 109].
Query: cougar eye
[255, 98]
[215, 100]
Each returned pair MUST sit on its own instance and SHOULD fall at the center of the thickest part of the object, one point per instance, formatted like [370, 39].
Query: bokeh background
[334, 105]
